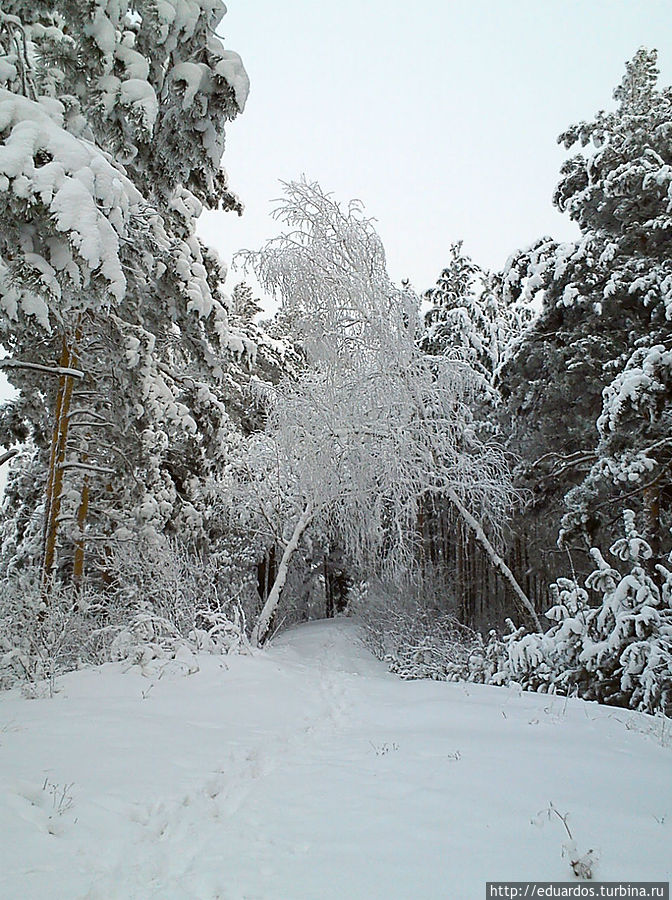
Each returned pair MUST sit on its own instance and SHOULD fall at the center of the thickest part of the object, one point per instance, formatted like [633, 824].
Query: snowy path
[308, 772]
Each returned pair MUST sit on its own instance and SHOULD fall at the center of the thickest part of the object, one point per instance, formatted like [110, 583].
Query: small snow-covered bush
[547, 662]
[173, 597]
[417, 641]
[40, 640]
[161, 602]
[627, 649]
[617, 652]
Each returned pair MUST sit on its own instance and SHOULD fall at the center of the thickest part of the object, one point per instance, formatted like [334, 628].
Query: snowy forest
[480, 471]
[466, 485]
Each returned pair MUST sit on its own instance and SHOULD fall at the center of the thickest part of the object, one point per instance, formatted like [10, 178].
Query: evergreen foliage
[602, 341]
[215, 463]
[112, 121]
[469, 317]
[618, 651]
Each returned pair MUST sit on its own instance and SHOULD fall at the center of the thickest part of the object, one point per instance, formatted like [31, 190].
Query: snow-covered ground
[307, 771]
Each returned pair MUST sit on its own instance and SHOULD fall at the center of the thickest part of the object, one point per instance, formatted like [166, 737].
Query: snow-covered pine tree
[467, 316]
[267, 351]
[619, 196]
[549, 661]
[244, 306]
[627, 648]
[601, 343]
[112, 127]
[617, 280]
[449, 325]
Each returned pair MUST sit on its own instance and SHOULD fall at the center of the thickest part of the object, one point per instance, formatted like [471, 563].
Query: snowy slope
[308, 771]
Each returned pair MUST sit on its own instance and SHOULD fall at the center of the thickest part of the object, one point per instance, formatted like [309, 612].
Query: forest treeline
[497, 447]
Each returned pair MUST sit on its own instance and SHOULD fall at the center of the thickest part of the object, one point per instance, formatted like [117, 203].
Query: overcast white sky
[441, 115]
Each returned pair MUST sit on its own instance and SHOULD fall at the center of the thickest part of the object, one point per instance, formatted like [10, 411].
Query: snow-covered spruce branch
[47, 370]
[5, 457]
[88, 467]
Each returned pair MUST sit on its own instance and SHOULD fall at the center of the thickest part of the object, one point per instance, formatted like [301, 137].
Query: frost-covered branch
[7, 456]
[87, 467]
[37, 367]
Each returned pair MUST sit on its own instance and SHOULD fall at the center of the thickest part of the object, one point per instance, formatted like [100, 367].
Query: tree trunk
[56, 459]
[82, 512]
[523, 601]
[652, 517]
[266, 572]
[273, 598]
[62, 381]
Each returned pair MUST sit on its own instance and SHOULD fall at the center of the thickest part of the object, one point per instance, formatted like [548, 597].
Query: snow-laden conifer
[608, 302]
[469, 316]
[610, 641]
[112, 121]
